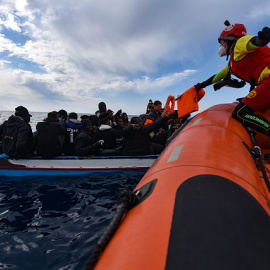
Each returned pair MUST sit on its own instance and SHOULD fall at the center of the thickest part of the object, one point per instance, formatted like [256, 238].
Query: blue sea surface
[53, 222]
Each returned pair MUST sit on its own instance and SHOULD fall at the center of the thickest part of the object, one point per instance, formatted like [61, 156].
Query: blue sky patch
[16, 37]
[20, 63]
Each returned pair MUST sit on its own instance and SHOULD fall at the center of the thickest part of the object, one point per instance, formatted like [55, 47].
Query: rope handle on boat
[256, 153]
[127, 199]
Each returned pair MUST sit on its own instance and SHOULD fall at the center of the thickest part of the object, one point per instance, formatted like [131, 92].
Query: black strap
[252, 84]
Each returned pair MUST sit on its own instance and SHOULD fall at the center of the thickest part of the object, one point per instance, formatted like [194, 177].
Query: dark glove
[237, 84]
[264, 35]
[204, 84]
[118, 113]
[109, 112]
[227, 81]
[198, 86]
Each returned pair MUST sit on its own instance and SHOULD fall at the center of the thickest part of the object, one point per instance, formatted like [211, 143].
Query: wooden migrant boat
[204, 203]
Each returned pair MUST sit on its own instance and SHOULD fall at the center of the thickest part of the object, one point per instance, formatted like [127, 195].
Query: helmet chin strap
[227, 57]
[230, 44]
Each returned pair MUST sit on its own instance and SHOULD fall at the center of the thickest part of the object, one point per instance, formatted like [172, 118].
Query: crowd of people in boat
[104, 133]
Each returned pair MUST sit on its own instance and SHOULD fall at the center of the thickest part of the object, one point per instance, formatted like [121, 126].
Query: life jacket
[148, 122]
[250, 67]
[188, 101]
[171, 100]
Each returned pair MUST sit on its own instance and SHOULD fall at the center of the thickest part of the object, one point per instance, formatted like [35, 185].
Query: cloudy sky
[66, 54]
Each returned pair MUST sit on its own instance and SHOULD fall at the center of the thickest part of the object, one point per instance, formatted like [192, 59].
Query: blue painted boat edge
[65, 172]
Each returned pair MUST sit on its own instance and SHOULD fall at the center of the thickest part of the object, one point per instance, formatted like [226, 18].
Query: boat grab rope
[127, 199]
[257, 155]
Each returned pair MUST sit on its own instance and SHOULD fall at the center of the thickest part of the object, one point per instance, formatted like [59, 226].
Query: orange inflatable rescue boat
[204, 203]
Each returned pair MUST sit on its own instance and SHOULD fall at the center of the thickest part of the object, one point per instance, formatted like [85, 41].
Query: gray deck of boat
[84, 163]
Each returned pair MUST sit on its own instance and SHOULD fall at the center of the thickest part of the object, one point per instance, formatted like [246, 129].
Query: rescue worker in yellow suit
[249, 60]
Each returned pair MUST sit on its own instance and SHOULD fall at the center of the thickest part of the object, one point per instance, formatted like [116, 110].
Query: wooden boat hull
[74, 166]
[207, 205]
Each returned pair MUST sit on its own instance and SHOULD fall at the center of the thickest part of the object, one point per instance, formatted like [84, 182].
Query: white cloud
[11, 23]
[6, 44]
[21, 5]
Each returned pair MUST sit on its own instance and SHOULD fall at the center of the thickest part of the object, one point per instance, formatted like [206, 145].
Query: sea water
[55, 222]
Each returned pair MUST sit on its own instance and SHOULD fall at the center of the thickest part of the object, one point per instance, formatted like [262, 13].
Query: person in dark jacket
[72, 126]
[119, 125]
[155, 113]
[161, 133]
[125, 119]
[17, 136]
[83, 144]
[138, 141]
[95, 122]
[50, 137]
[106, 133]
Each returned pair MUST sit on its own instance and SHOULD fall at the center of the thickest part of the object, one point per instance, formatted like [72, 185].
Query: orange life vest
[188, 101]
[171, 100]
[148, 122]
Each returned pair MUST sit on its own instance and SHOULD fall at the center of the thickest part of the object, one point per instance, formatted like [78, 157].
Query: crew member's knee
[235, 115]
[240, 110]
[237, 111]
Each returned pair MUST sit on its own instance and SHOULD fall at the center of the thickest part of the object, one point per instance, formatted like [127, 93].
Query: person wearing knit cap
[17, 136]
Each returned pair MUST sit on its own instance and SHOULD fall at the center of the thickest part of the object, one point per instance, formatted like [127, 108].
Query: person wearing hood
[50, 136]
[125, 119]
[83, 144]
[17, 136]
[72, 126]
[102, 108]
